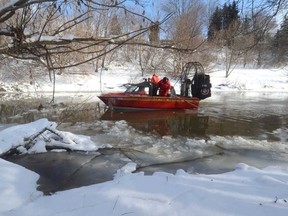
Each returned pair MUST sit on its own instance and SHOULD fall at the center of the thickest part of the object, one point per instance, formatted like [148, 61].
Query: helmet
[165, 79]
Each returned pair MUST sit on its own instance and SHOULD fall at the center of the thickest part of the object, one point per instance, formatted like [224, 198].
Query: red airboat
[192, 91]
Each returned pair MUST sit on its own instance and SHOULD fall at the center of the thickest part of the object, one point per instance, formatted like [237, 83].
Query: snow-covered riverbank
[113, 78]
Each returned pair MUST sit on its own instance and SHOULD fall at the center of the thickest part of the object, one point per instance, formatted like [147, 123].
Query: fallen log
[29, 142]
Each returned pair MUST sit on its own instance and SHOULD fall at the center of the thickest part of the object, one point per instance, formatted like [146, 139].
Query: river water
[228, 128]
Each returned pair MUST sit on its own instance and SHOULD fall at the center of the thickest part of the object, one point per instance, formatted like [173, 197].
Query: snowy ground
[244, 191]
[113, 78]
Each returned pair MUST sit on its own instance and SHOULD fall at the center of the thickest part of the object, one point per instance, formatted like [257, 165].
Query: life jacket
[164, 87]
[155, 78]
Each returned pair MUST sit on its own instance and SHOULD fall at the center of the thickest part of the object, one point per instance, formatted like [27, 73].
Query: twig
[115, 202]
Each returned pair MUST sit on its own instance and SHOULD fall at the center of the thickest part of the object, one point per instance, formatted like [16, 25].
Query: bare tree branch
[11, 8]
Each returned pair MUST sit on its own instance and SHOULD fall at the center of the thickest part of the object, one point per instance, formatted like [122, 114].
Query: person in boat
[164, 87]
[154, 80]
[141, 90]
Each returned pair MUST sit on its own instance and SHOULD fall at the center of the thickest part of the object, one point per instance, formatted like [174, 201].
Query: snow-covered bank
[245, 191]
[113, 77]
[265, 80]
[17, 186]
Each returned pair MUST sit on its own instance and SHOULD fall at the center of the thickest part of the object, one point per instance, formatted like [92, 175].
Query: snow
[18, 185]
[245, 191]
[112, 78]
[50, 38]
[18, 136]
[253, 80]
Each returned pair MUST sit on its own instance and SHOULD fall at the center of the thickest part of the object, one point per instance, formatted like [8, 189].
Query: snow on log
[38, 136]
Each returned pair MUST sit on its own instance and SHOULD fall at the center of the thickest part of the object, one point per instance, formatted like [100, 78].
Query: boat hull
[127, 101]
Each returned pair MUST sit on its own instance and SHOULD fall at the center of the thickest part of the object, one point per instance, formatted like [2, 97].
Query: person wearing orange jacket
[154, 80]
[164, 86]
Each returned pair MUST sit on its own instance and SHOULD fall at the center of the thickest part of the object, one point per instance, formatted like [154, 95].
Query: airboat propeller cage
[199, 86]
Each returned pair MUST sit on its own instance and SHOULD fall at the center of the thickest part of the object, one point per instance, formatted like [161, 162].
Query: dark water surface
[243, 119]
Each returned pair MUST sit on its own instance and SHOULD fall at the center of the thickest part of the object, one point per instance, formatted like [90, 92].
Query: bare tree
[261, 18]
[186, 29]
[50, 32]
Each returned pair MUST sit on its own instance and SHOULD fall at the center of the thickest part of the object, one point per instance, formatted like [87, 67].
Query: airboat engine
[199, 86]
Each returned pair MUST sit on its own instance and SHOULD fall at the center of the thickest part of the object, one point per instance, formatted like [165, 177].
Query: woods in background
[157, 35]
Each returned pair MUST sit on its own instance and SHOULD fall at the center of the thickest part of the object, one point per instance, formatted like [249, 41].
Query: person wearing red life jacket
[164, 86]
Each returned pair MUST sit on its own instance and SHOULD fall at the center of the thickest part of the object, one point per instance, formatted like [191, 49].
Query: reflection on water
[255, 115]
[25, 111]
[163, 123]
[65, 170]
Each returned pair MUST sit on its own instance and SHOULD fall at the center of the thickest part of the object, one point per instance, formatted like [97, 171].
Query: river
[228, 128]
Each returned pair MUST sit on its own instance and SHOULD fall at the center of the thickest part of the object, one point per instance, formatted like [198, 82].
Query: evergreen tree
[222, 18]
[215, 23]
[232, 13]
[225, 16]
